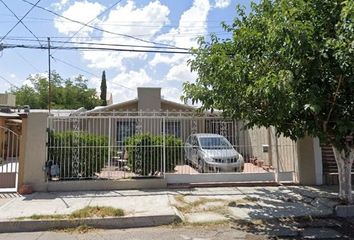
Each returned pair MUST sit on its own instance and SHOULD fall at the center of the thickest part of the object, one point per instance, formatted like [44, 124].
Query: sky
[171, 22]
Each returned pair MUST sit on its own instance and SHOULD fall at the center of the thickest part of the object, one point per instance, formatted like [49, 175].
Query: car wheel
[200, 166]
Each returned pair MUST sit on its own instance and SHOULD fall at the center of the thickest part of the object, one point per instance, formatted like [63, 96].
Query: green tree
[287, 64]
[65, 94]
[103, 95]
[27, 95]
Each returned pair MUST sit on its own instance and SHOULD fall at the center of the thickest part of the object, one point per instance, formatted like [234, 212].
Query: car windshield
[214, 143]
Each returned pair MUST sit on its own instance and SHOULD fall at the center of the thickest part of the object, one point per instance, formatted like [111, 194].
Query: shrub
[149, 149]
[90, 150]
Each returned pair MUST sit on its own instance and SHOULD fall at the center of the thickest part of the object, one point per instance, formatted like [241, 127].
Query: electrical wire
[99, 29]
[82, 70]
[20, 21]
[103, 44]
[11, 84]
[184, 34]
[9, 46]
[93, 19]
[33, 6]
[73, 66]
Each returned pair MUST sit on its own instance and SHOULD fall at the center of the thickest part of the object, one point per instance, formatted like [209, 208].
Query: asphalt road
[167, 232]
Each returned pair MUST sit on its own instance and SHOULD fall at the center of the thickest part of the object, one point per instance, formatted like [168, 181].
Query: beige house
[148, 100]
[157, 115]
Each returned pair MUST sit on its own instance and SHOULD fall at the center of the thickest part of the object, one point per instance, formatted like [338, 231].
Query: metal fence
[9, 152]
[130, 145]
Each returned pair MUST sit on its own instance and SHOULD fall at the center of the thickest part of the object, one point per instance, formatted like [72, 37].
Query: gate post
[309, 161]
[33, 151]
[164, 144]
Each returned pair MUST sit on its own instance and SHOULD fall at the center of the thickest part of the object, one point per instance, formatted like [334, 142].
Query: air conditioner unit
[7, 100]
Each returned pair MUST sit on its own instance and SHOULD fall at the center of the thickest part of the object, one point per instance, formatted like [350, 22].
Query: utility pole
[49, 87]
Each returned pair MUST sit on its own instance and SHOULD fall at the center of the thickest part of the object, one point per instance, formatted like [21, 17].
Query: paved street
[321, 228]
[168, 233]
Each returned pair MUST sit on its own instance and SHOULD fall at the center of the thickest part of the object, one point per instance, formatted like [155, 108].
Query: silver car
[212, 153]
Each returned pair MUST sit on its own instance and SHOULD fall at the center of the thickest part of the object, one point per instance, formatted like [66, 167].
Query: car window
[214, 143]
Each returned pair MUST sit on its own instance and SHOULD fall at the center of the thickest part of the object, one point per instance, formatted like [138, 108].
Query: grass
[97, 211]
[86, 212]
[188, 207]
[80, 229]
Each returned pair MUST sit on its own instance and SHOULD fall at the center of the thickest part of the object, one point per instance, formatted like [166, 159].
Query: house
[149, 103]
[151, 113]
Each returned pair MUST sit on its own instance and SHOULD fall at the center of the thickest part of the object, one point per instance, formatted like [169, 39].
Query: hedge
[149, 149]
[90, 150]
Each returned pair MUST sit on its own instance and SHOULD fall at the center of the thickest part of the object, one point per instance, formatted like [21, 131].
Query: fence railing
[151, 145]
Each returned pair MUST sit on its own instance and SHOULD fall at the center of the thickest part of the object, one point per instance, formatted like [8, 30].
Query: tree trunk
[344, 161]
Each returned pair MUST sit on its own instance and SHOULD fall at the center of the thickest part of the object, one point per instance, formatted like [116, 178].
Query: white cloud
[131, 80]
[129, 20]
[181, 72]
[194, 18]
[60, 5]
[146, 22]
[172, 94]
[80, 11]
[222, 3]
[28, 83]
[12, 75]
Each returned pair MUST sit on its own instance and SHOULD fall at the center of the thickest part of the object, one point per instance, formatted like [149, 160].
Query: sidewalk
[158, 207]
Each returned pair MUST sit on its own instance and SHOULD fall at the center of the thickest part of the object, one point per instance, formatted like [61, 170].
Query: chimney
[149, 99]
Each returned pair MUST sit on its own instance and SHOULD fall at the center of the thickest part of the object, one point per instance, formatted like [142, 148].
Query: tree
[65, 94]
[103, 95]
[288, 64]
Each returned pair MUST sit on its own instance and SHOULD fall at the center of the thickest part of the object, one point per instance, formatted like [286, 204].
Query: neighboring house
[10, 130]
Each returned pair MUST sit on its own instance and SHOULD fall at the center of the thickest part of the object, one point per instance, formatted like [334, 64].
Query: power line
[104, 44]
[11, 84]
[183, 34]
[207, 21]
[97, 28]
[8, 46]
[86, 24]
[26, 61]
[71, 65]
[20, 20]
[82, 70]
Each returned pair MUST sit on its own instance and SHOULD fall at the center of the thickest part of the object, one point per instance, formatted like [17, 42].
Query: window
[172, 128]
[124, 130]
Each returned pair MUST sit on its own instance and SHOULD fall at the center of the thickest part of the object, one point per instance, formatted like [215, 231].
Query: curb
[103, 223]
